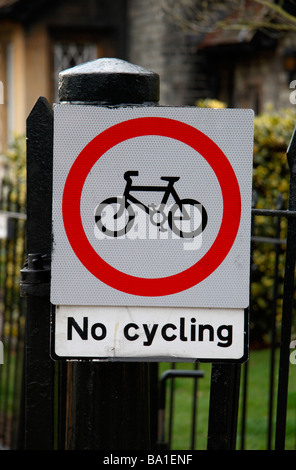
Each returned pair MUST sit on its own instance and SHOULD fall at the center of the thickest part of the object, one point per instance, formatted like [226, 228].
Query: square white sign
[149, 334]
[151, 206]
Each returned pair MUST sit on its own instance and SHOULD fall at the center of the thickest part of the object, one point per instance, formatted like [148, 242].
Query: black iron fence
[271, 330]
[12, 312]
[271, 313]
[267, 335]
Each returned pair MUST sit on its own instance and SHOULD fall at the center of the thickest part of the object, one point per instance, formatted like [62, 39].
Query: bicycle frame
[168, 190]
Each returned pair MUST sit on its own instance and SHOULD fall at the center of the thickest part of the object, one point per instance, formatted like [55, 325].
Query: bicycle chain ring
[154, 211]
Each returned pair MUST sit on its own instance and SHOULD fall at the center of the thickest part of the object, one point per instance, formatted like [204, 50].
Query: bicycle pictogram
[187, 218]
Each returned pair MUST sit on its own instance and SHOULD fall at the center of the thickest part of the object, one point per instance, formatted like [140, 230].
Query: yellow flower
[210, 103]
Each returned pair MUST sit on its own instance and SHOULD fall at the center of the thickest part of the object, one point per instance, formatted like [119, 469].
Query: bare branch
[212, 16]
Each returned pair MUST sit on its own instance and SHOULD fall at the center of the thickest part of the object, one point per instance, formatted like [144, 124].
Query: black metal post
[38, 421]
[108, 404]
[277, 249]
[224, 398]
[288, 302]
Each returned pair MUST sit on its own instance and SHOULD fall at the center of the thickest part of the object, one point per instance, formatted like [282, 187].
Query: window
[67, 55]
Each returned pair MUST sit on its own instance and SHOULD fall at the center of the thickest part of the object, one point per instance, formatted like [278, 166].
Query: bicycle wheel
[187, 218]
[114, 216]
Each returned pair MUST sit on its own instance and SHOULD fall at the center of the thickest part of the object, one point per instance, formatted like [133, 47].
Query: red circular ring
[151, 287]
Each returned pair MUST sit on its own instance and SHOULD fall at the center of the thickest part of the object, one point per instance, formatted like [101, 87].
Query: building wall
[155, 43]
[282, 75]
[261, 81]
[252, 76]
[12, 72]
[138, 31]
[37, 77]
[26, 51]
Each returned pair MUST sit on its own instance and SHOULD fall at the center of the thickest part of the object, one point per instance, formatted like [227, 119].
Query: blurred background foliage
[272, 134]
[14, 165]
[14, 159]
[273, 130]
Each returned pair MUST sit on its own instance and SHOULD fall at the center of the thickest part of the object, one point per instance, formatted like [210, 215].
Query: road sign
[151, 208]
[150, 333]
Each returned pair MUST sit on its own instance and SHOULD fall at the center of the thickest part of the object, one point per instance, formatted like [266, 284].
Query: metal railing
[12, 322]
[12, 314]
[279, 336]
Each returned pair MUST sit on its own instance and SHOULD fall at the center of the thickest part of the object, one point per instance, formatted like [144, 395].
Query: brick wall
[158, 45]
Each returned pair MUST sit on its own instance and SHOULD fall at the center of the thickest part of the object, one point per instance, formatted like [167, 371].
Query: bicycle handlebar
[127, 175]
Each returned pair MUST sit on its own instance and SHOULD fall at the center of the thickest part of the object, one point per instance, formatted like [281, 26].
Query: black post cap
[108, 81]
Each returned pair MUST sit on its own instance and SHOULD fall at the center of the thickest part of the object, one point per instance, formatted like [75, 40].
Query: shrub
[272, 134]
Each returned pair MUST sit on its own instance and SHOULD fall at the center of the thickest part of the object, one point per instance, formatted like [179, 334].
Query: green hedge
[272, 134]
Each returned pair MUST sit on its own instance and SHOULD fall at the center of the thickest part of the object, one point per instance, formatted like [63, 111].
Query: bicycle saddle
[173, 179]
